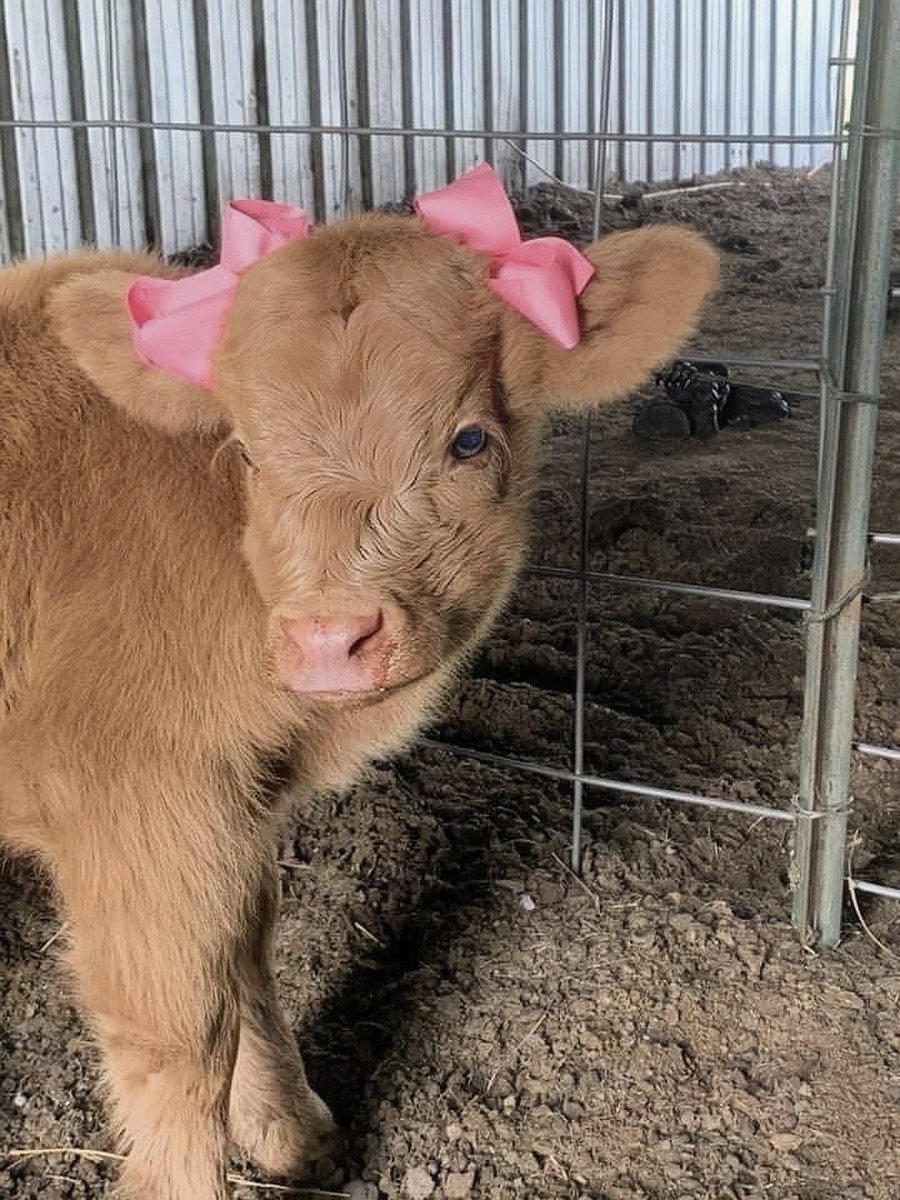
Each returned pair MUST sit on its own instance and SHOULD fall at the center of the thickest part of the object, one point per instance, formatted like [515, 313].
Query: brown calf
[201, 586]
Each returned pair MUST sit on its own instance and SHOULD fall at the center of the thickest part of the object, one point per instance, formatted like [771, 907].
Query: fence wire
[345, 104]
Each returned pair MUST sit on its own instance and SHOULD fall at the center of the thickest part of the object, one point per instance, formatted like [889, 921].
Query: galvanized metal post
[855, 313]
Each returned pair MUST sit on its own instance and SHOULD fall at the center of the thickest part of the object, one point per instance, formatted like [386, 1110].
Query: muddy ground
[485, 1024]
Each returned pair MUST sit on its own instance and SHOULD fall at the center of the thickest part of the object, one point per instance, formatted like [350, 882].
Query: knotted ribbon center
[541, 278]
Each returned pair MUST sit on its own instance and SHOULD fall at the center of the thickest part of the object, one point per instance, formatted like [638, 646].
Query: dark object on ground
[700, 399]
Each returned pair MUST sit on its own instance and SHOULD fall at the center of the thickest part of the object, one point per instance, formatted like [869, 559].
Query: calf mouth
[366, 698]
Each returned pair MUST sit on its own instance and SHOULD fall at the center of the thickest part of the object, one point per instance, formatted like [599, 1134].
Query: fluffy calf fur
[156, 542]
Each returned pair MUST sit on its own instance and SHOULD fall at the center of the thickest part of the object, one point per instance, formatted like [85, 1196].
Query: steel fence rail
[436, 132]
[856, 298]
[645, 791]
[874, 889]
[873, 751]
[794, 603]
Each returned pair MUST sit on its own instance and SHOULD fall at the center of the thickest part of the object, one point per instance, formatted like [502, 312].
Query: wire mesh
[360, 103]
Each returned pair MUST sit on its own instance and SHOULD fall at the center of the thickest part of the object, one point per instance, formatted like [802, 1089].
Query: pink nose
[333, 654]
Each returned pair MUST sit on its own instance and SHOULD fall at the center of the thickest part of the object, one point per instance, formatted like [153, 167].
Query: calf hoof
[304, 1144]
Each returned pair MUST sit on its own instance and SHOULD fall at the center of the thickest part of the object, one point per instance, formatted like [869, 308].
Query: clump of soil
[484, 1023]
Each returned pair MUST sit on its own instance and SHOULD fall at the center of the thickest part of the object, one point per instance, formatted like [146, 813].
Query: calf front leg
[276, 1117]
[154, 960]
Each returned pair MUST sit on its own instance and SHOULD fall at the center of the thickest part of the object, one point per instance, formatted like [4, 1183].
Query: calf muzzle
[333, 654]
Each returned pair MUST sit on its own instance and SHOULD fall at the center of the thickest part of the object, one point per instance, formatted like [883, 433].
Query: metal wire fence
[123, 144]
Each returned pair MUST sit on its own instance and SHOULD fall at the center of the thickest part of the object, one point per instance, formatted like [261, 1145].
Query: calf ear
[89, 316]
[638, 309]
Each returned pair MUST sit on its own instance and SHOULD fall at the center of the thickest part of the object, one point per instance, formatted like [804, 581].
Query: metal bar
[772, 364]
[487, 84]
[261, 92]
[677, 53]
[728, 98]
[885, 539]
[209, 153]
[704, 78]
[449, 113]
[874, 889]
[84, 182]
[406, 99]
[831, 298]
[344, 77]
[833, 645]
[9, 157]
[650, 97]
[872, 751]
[581, 643]
[622, 68]
[317, 128]
[751, 81]
[559, 84]
[314, 84]
[606, 89]
[646, 791]
[62, 174]
[833, 337]
[111, 137]
[796, 603]
[591, 44]
[792, 75]
[517, 169]
[145, 123]
[364, 144]
[814, 55]
[773, 60]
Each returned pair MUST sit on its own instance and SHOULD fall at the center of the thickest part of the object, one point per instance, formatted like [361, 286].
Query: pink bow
[177, 323]
[541, 278]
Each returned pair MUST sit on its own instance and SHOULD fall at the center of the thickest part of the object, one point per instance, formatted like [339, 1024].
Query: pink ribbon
[176, 323]
[541, 279]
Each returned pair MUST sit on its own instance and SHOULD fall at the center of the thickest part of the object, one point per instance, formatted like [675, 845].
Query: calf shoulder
[130, 633]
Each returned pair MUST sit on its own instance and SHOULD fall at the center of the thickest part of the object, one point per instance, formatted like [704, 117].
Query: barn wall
[752, 68]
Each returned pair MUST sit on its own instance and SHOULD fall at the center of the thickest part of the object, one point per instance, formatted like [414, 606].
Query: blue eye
[468, 442]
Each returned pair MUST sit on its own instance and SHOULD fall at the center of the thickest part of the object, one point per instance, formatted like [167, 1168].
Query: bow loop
[475, 209]
[176, 323]
[541, 279]
[251, 229]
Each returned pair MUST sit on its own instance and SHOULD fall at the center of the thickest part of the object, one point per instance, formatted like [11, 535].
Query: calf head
[389, 406]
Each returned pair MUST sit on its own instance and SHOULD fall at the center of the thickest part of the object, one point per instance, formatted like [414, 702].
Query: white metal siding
[733, 67]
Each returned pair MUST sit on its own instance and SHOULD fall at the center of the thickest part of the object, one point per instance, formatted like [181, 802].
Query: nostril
[375, 626]
[334, 653]
[333, 639]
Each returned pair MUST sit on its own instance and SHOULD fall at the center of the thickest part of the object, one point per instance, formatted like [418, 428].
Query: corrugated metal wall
[111, 110]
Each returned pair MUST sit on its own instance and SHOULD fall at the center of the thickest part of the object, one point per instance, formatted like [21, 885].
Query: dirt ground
[484, 1023]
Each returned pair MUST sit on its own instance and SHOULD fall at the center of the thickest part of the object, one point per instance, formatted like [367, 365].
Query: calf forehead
[375, 317]
[391, 269]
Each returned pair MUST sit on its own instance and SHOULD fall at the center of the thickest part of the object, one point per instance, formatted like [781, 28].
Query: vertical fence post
[855, 314]
[584, 491]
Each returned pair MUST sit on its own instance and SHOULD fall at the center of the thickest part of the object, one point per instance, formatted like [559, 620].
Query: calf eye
[469, 442]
